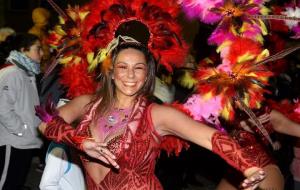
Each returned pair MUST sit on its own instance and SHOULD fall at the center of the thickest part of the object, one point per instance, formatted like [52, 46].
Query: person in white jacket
[62, 170]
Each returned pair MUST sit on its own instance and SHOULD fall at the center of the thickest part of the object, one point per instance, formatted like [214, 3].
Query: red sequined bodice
[136, 151]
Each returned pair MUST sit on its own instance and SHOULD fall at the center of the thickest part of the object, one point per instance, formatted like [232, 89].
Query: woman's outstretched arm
[169, 121]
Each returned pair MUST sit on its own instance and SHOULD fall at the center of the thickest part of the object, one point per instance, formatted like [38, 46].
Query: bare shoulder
[163, 113]
[83, 100]
[79, 102]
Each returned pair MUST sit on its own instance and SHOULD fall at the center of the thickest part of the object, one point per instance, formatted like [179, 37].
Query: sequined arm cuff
[232, 152]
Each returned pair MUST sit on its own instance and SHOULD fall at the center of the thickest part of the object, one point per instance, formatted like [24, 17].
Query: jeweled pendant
[111, 119]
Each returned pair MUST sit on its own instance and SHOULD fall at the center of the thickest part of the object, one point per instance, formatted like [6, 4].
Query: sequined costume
[136, 151]
[137, 148]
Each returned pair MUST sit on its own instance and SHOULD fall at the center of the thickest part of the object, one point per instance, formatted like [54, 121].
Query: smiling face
[132, 75]
[129, 73]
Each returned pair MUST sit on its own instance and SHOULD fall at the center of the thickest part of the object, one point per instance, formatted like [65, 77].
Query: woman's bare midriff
[96, 171]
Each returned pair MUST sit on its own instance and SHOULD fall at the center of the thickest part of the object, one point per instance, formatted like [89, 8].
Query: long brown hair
[108, 88]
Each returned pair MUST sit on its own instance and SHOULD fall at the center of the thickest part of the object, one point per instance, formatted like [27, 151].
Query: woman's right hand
[99, 151]
[42, 127]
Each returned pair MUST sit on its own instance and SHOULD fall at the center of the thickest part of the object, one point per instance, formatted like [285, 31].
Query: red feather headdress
[84, 30]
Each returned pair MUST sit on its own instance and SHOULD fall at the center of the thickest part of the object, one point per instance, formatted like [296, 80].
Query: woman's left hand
[99, 151]
[253, 181]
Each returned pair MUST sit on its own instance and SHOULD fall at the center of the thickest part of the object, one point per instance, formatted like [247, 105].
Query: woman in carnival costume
[121, 131]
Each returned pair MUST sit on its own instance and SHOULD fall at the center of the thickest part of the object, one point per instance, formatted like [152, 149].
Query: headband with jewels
[85, 31]
[103, 56]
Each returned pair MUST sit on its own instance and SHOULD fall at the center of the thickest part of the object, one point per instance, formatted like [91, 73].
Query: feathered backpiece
[242, 79]
[243, 83]
[234, 17]
[83, 34]
[240, 50]
[240, 85]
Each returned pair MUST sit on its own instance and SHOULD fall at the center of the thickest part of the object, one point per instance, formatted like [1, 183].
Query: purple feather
[46, 112]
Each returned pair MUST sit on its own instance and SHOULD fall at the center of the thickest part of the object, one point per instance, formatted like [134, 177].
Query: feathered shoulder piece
[173, 144]
[240, 78]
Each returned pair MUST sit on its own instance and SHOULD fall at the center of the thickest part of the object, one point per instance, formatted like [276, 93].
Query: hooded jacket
[18, 96]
